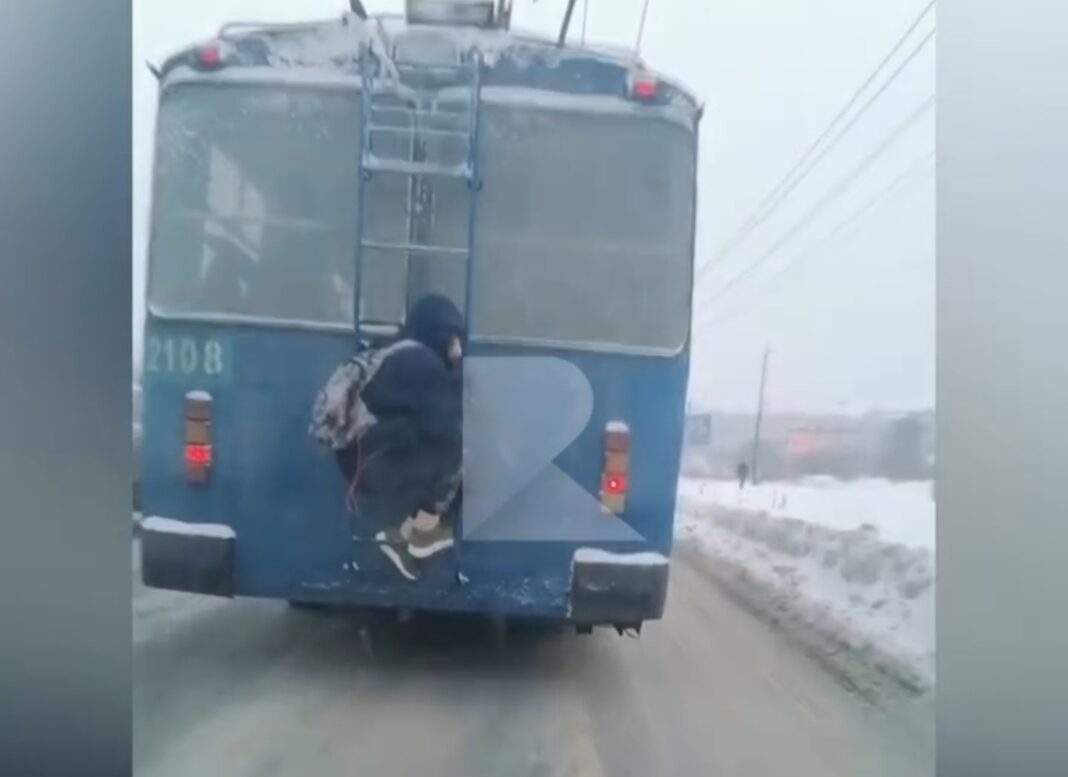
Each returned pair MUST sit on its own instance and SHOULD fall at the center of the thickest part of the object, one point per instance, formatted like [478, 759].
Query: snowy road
[254, 688]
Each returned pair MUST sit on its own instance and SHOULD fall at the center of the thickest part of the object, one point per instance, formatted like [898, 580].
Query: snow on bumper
[621, 589]
[192, 557]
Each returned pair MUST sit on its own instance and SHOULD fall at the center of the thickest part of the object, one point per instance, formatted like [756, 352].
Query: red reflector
[645, 88]
[199, 455]
[615, 484]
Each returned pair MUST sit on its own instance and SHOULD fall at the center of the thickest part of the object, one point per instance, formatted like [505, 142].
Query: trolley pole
[754, 474]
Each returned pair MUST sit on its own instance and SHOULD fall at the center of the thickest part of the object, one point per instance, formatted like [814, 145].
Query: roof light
[210, 56]
[644, 86]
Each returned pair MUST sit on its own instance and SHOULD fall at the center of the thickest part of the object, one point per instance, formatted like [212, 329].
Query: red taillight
[644, 87]
[615, 484]
[198, 442]
[615, 477]
[199, 455]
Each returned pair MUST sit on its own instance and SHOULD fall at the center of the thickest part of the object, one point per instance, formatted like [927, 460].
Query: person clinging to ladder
[393, 418]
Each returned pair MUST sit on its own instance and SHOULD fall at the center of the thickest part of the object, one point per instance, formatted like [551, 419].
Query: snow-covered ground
[903, 513]
[854, 561]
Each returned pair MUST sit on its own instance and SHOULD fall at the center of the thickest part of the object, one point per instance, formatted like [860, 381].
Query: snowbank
[865, 582]
[902, 513]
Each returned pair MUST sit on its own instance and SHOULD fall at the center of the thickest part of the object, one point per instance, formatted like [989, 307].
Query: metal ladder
[406, 133]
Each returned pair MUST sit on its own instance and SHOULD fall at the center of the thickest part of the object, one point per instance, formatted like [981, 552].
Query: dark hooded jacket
[416, 399]
[414, 394]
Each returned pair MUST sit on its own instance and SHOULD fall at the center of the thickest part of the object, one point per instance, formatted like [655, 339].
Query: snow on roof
[292, 76]
[491, 43]
[330, 42]
[590, 103]
[321, 44]
[232, 29]
[335, 44]
[171, 526]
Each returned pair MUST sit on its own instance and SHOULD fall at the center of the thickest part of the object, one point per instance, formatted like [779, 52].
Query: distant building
[799, 444]
[828, 448]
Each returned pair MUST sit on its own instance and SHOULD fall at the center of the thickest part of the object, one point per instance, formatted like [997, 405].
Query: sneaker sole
[394, 556]
[426, 551]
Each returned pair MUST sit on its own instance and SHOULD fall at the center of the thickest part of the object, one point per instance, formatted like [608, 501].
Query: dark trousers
[394, 484]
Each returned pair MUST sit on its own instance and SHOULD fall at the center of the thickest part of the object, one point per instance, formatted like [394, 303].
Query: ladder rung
[375, 328]
[460, 103]
[418, 67]
[417, 248]
[406, 167]
[420, 131]
[416, 113]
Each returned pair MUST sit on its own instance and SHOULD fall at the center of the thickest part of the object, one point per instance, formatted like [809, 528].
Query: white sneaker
[396, 550]
[424, 544]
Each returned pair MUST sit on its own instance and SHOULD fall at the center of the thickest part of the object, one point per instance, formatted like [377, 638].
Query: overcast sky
[848, 314]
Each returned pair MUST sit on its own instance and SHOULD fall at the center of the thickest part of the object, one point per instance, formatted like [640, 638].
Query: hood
[433, 320]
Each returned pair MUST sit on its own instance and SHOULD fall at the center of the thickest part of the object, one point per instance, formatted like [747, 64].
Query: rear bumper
[197, 558]
[615, 589]
[620, 589]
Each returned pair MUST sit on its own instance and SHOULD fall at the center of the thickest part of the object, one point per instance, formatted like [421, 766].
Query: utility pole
[754, 473]
[566, 23]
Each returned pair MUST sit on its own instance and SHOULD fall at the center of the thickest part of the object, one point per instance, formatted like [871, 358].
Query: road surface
[256, 689]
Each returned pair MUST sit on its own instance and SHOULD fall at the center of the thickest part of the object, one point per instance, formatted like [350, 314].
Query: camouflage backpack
[340, 417]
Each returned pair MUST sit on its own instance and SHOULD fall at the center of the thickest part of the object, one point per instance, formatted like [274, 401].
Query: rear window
[255, 202]
[584, 229]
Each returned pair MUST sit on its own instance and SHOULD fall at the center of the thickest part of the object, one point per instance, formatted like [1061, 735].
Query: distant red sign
[801, 442]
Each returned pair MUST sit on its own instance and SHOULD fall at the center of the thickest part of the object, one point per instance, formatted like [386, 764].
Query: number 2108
[184, 355]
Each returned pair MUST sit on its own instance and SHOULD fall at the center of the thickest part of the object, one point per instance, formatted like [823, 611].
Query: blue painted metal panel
[285, 497]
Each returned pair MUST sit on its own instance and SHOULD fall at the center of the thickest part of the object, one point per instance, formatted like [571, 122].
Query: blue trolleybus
[310, 180]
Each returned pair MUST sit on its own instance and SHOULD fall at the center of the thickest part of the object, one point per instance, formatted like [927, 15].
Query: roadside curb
[871, 673]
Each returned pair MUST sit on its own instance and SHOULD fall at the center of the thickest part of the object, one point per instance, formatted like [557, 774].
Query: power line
[836, 191]
[762, 217]
[901, 183]
[915, 171]
[856, 96]
[777, 193]
[773, 194]
[641, 26]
